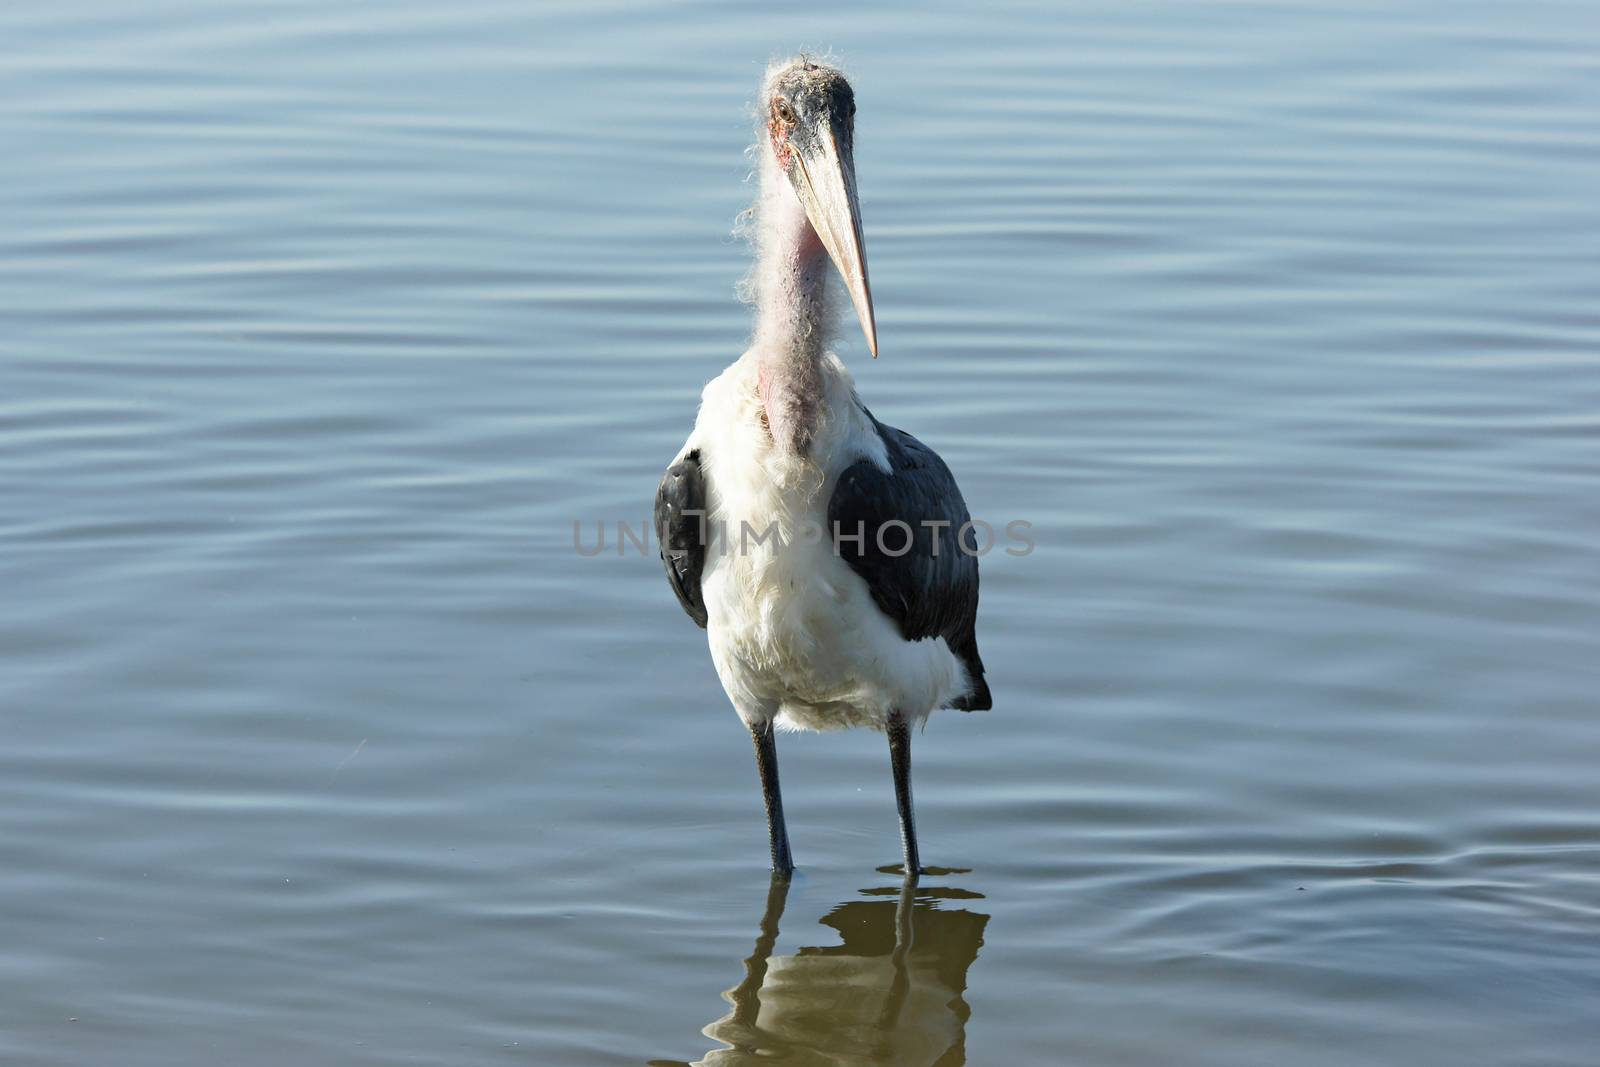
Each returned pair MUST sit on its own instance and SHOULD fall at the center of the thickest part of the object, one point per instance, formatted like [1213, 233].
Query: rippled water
[321, 323]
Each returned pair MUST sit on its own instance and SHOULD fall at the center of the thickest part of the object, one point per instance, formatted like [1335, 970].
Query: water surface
[320, 325]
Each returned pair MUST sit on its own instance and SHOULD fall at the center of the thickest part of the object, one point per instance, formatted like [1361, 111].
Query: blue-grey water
[321, 323]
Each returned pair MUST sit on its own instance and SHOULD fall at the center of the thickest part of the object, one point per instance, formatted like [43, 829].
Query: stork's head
[810, 120]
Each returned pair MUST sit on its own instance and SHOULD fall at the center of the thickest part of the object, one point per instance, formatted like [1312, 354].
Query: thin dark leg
[900, 760]
[777, 832]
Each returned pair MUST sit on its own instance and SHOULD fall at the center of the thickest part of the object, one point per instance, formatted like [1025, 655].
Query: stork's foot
[899, 731]
[936, 872]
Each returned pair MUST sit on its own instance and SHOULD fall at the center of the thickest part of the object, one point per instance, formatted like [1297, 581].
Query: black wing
[930, 590]
[680, 525]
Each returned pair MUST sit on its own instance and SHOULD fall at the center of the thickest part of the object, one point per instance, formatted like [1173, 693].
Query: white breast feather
[794, 633]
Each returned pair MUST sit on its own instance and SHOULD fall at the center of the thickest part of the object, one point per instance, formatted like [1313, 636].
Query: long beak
[824, 176]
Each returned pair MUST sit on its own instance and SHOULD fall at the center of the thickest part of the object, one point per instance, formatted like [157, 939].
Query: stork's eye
[785, 112]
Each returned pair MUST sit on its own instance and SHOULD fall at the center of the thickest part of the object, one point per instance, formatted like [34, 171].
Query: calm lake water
[322, 323]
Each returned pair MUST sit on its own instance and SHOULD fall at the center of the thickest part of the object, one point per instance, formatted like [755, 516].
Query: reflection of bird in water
[890, 994]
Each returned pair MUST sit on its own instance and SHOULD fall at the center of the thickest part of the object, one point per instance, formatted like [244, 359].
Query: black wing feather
[680, 526]
[932, 589]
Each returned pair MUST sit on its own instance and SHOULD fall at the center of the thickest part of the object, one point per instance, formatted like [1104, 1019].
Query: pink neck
[792, 317]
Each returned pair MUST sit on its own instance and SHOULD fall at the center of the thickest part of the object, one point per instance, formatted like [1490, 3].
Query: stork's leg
[767, 764]
[900, 760]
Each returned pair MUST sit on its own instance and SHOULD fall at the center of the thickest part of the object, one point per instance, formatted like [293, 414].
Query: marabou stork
[861, 610]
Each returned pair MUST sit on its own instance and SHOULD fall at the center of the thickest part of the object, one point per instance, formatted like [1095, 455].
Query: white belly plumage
[796, 638]
[793, 630]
